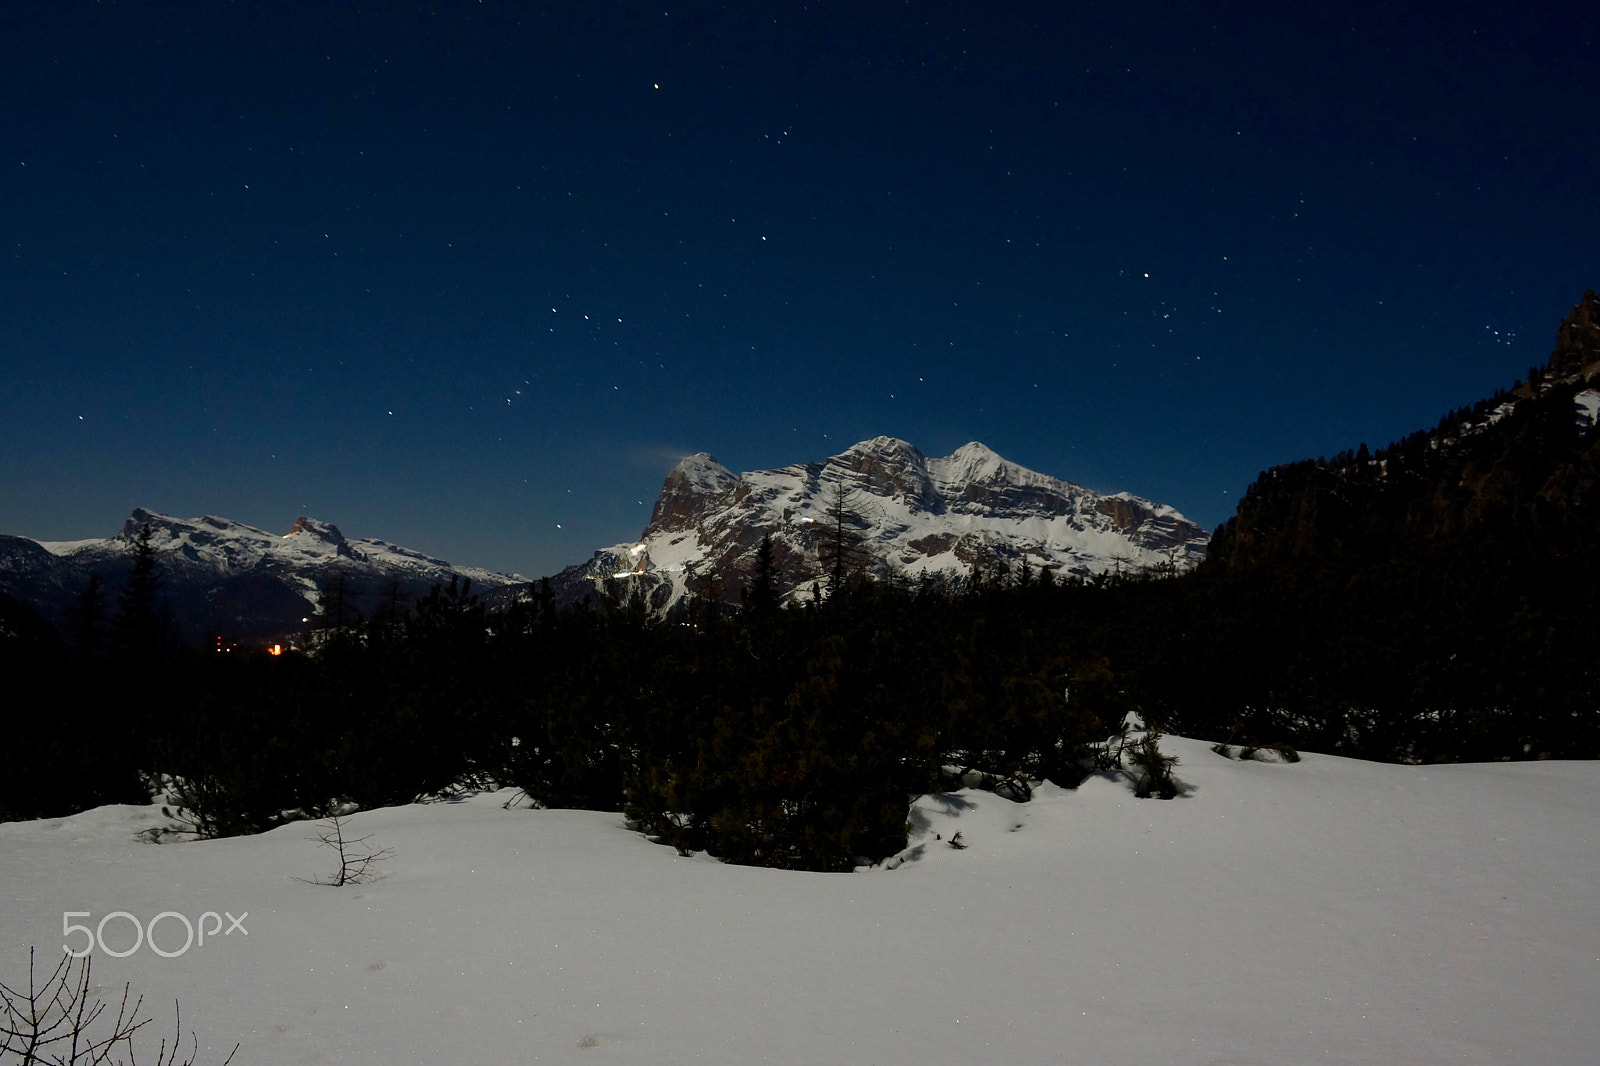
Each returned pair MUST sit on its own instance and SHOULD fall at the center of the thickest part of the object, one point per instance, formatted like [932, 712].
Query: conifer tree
[86, 620]
[1155, 768]
[762, 596]
[840, 552]
[336, 602]
[142, 627]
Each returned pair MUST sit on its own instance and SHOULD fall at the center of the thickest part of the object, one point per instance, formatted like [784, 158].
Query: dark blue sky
[473, 276]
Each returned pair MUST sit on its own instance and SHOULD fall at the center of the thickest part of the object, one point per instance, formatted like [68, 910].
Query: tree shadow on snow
[920, 820]
[1129, 779]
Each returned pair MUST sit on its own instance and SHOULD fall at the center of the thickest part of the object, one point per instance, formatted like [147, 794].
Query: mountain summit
[896, 512]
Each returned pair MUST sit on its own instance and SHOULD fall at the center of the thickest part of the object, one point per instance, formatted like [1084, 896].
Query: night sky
[472, 276]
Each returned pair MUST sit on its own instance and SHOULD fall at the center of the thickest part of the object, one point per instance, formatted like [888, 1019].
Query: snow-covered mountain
[904, 514]
[221, 576]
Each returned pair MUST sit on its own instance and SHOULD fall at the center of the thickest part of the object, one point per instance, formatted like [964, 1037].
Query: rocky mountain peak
[892, 468]
[975, 460]
[692, 488]
[883, 449]
[1577, 350]
[140, 518]
[314, 529]
[975, 464]
[165, 529]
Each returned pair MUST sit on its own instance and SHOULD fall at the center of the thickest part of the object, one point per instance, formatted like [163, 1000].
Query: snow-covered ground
[1329, 911]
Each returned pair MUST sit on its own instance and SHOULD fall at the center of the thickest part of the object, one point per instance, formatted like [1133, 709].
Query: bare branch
[356, 857]
[64, 1010]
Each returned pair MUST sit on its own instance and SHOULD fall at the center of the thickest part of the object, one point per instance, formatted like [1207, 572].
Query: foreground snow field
[1329, 911]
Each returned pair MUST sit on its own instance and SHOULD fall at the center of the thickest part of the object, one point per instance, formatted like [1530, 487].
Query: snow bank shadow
[900, 858]
[1129, 780]
[951, 803]
[943, 804]
[928, 811]
[458, 794]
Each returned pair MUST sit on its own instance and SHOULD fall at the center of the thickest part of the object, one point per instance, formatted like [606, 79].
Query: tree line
[1432, 601]
[781, 736]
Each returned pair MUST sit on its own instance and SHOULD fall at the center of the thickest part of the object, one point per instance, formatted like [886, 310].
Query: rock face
[892, 511]
[226, 578]
[1577, 351]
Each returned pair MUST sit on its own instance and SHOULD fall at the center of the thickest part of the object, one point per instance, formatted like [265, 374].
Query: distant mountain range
[902, 514]
[224, 578]
[1520, 469]
[1516, 474]
[894, 512]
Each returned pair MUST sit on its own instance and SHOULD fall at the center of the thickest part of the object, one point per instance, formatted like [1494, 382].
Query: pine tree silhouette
[142, 627]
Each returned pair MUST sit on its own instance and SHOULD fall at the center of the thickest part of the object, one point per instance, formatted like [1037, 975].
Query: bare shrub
[356, 857]
[56, 1022]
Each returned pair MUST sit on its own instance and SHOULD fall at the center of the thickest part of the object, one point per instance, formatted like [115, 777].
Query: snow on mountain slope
[906, 514]
[227, 577]
[233, 547]
[1330, 911]
[1587, 404]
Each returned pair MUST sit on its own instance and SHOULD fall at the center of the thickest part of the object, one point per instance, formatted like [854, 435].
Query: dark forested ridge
[1521, 462]
[1433, 600]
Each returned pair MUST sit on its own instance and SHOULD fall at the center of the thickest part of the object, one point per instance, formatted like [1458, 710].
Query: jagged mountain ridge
[225, 577]
[909, 515]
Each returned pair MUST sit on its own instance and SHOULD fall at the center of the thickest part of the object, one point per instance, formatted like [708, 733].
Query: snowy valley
[1326, 911]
